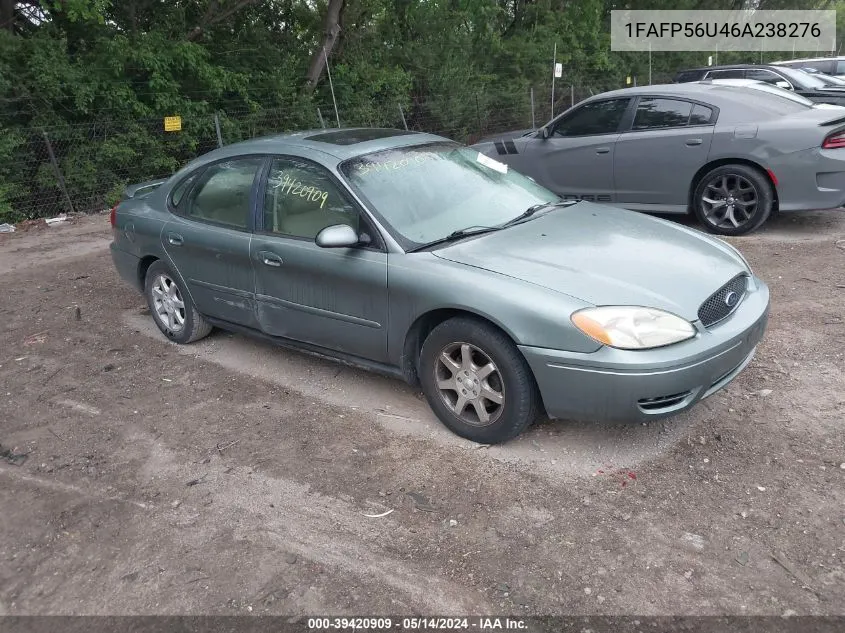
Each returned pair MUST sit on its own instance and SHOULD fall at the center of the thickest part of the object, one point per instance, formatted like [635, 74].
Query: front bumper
[624, 385]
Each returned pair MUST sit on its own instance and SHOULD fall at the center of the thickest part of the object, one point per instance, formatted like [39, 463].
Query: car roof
[725, 67]
[809, 59]
[689, 90]
[340, 143]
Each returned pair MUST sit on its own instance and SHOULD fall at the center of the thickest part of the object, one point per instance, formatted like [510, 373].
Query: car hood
[606, 256]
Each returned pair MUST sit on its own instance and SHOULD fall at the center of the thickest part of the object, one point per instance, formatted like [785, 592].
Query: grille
[716, 307]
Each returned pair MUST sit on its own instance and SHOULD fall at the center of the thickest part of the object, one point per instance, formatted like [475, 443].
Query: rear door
[208, 237]
[656, 159]
[576, 161]
[335, 298]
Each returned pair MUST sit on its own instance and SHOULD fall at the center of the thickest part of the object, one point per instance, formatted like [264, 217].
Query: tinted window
[700, 115]
[301, 200]
[223, 192]
[767, 76]
[600, 117]
[658, 113]
[689, 75]
[737, 73]
[821, 66]
[840, 68]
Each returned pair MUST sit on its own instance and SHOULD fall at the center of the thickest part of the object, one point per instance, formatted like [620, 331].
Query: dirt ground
[231, 477]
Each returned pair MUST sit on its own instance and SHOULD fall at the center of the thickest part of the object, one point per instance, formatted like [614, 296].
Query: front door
[576, 160]
[335, 298]
[656, 160]
[208, 239]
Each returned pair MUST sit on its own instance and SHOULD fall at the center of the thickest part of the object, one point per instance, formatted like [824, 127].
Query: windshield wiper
[456, 235]
[533, 209]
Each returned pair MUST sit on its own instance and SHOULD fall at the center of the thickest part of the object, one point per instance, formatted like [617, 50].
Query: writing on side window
[292, 187]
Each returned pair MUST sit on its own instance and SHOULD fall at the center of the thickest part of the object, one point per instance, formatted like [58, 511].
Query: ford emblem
[731, 299]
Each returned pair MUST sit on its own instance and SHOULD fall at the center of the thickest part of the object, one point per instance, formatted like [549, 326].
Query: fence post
[478, 113]
[59, 178]
[217, 129]
[402, 114]
[320, 116]
[533, 123]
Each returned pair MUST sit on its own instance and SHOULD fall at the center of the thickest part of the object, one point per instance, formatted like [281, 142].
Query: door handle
[693, 141]
[175, 239]
[602, 150]
[270, 259]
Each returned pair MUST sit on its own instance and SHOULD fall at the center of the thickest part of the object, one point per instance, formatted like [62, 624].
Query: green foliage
[99, 76]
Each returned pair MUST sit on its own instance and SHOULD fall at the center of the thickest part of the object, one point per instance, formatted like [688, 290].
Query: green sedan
[415, 256]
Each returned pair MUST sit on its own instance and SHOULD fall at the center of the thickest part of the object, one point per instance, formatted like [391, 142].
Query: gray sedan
[418, 257]
[731, 154]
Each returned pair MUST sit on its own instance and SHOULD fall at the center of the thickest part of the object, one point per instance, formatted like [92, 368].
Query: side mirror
[783, 84]
[544, 133]
[337, 236]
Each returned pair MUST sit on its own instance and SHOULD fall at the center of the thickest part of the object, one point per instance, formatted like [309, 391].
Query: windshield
[426, 192]
[830, 81]
[803, 79]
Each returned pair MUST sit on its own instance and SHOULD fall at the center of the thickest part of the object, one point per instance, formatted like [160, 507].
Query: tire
[177, 302]
[511, 380]
[738, 190]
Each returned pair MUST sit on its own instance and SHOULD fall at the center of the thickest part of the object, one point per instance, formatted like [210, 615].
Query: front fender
[531, 315]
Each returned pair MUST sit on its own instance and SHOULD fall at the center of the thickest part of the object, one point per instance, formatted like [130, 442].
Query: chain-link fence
[83, 168]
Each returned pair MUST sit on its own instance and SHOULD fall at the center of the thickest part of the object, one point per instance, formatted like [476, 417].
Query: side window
[600, 117]
[736, 73]
[840, 68]
[301, 200]
[822, 66]
[700, 115]
[655, 113]
[223, 192]
[767, 76]
[179, 190]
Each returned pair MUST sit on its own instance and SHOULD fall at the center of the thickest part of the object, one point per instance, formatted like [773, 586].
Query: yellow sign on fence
[172, 123]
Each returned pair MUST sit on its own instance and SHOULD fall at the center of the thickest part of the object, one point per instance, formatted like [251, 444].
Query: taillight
[834, 141]
[113, 216]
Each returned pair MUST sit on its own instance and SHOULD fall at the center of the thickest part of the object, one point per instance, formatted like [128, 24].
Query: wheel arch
[143, 266]
[424, 324]
[713, 164]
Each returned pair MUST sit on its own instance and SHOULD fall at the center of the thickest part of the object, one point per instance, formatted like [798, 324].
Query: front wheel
[477, 381]
[733, 200]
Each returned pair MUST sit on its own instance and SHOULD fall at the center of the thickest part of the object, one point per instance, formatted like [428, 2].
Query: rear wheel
[173, 311]
[477, 381]
[733, 200]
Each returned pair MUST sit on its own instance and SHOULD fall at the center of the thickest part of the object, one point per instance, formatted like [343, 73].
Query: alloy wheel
[729, 201]
[470, 384]
[168, 305]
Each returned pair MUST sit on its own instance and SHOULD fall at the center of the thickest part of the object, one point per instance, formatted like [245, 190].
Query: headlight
[629, 327]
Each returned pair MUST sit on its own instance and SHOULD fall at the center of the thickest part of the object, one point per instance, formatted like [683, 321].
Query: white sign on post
[710, 60]
[558, 70]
